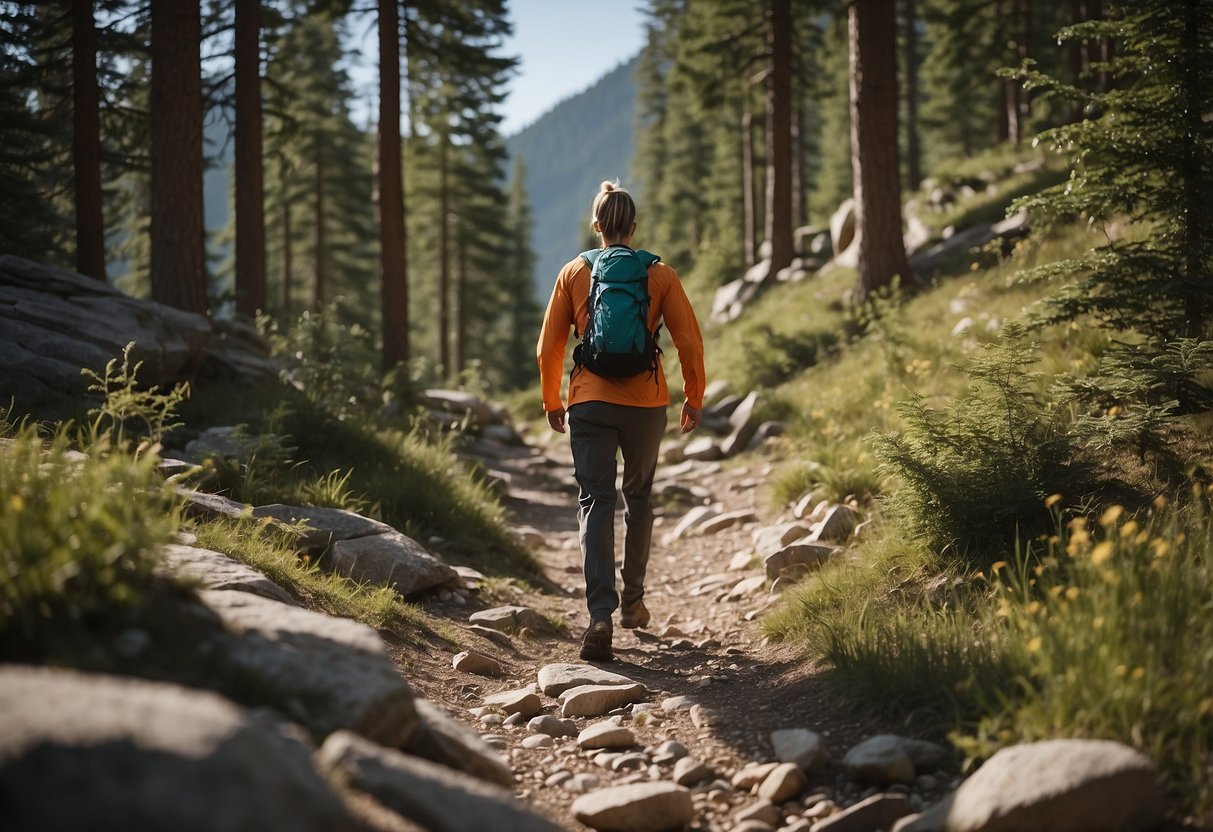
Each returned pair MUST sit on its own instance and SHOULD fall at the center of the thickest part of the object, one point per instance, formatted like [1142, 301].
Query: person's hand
[690, 417]
[556, 419]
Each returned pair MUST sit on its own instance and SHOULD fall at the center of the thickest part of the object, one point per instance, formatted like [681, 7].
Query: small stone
[630, 762]
[638, 807]
[524, 701]
[580, 783]
[552, 726]
[509, 619]
[675, 749]
[800, 746]
[677, 703]
[762, 810]
[752, 774]
[495, 636]
[557, 777]
[595, 700]
[492, 719]
[704, 717]
[880, 760]
[481, 665]
[555, 679]
[689, 771]
[514, 720]
[784, 783]
[537, 741]
[606, 735]
[879, 811]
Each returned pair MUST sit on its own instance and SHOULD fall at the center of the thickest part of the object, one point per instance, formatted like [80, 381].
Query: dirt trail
[697, 645]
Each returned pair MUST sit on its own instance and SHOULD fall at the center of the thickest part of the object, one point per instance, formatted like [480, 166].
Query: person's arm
[680, 319]
[549, 352]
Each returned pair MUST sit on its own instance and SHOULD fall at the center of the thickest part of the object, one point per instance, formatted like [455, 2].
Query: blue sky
[564, 46]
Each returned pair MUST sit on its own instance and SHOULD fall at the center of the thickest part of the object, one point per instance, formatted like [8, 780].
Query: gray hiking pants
[597, 431]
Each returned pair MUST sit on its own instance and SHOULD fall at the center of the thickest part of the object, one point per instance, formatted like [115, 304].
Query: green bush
[78, 533]
[975, 477]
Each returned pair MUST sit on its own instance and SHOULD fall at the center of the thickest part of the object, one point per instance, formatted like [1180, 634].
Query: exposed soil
[714, 653]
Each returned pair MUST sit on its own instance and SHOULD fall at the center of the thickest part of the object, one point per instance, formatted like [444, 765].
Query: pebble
[580, 783]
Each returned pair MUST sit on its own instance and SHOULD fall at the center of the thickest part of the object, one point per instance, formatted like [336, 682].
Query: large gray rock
[325, 526]
[335, 673]
[392, 559]
[435, 797]
[217, 571]
[555, 679]
[638, 807]
[85, 751]
[1059, 785]
[443, 739]
[78, 309]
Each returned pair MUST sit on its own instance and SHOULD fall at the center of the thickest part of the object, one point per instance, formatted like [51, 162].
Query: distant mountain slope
[568, 151]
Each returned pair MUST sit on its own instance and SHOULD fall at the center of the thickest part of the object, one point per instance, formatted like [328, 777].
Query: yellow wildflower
[1072, 592]
[1128, 530]
[1139, 673]
[1101, 553]
[1035, 644]
[1052, 500]
[1111, 515]
[16, 503]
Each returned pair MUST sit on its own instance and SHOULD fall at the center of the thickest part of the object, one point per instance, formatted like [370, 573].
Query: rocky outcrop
[53, 322]
[78, 750]
[217, 571]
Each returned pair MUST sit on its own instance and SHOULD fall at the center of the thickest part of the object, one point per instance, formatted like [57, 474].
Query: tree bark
[250, 176]
[443, 289]
[1194, 215]
[320, 288]
[393, 265]
[779, 135]
[461, 323]
[874, 162]
[86, 143]
[288, 266]
[913, 154]
[178, 231]
[747, 183]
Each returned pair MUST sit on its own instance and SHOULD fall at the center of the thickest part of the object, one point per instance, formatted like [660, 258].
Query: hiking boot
[596, 643]
[634, 615]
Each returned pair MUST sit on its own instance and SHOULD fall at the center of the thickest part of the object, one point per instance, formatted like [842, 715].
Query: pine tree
[86, 143]
[250, 177]
[519, 262]
[1148, 157]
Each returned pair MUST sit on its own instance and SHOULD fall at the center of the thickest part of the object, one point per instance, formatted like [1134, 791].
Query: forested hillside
[567, 152]
[288, 540]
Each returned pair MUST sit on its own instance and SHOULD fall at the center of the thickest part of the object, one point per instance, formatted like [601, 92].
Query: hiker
[617, 399]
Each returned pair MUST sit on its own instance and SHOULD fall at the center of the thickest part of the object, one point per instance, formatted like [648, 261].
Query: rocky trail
[696, 700]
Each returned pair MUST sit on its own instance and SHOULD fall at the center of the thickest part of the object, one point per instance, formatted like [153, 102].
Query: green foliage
[1113, 634]
[1146, 153]
[128, 406]
[974, 478]
[79, 534]
[273, 553]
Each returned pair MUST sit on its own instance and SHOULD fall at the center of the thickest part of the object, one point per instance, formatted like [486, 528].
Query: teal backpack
[617, 342]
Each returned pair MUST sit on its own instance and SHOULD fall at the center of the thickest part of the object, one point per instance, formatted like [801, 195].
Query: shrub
[976, 476]
[78, 533]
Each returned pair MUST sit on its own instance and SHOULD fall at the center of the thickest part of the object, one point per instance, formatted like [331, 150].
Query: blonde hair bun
[607, 186]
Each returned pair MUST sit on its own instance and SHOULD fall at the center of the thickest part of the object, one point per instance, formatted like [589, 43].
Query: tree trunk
[873, 43]
[461, 323]
[444, 312]
[250, 176]
[320, 289]
[393, 266]
[747, 182]
[779, 135]
[288, 267]
[1195, 215]
[86, 143]
[913, 154]
[178, 247]
[1023, 41]
[798, 184]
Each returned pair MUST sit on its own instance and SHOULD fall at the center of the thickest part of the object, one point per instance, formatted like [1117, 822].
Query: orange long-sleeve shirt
[568, 307]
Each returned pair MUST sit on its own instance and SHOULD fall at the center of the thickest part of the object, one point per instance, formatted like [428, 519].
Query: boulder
[445, 740]
[1065, 785]
[325, 525]
[428, 794]
[637, 807]
[87, 751]
[334, 672]
[217, 571]
[392, 559]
